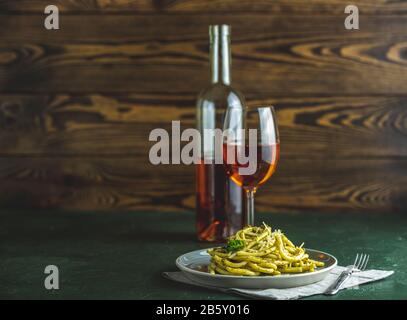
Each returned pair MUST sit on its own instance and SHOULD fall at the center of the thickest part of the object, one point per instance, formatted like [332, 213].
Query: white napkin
[293, 293]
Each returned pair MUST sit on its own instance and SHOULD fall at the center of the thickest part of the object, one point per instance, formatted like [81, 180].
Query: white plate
[194, 265]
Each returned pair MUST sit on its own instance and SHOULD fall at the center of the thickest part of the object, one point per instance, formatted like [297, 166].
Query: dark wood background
[77, 105]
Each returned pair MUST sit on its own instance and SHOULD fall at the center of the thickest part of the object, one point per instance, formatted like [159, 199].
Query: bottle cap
[222, 30]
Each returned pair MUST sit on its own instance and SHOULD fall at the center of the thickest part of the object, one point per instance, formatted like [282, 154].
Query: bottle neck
[220, 58]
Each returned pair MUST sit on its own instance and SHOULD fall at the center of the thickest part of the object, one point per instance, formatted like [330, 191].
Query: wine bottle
[219, 201]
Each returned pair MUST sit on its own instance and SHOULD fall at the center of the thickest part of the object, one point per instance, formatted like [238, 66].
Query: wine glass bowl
[266, 164]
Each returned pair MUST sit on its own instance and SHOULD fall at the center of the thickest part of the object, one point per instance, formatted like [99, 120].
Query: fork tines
[361, 261]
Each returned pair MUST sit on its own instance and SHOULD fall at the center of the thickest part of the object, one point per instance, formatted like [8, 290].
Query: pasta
[257, 251]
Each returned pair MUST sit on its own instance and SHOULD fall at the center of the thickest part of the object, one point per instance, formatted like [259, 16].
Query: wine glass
[251, 149]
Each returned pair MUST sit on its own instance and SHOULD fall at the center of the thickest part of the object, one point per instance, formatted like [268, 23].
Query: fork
[360, 264]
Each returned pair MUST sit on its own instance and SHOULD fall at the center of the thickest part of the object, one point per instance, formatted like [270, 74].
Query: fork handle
[334, 288]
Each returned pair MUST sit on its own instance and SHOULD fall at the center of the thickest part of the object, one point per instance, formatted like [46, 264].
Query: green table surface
[122, 255]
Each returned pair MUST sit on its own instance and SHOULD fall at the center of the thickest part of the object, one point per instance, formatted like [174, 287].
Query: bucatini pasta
[256, 251]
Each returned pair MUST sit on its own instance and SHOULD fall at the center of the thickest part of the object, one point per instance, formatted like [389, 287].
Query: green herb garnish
[234, 245]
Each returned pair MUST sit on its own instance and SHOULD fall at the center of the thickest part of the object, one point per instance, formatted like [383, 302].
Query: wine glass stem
[250, 208]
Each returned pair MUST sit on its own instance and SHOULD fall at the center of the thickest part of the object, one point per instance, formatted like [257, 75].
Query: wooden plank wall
[77, 105]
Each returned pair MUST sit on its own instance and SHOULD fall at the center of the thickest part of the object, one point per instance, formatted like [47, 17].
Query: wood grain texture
[317, 128]
[311, 55]
[127, 184]
[194, 6]
[77, 105]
